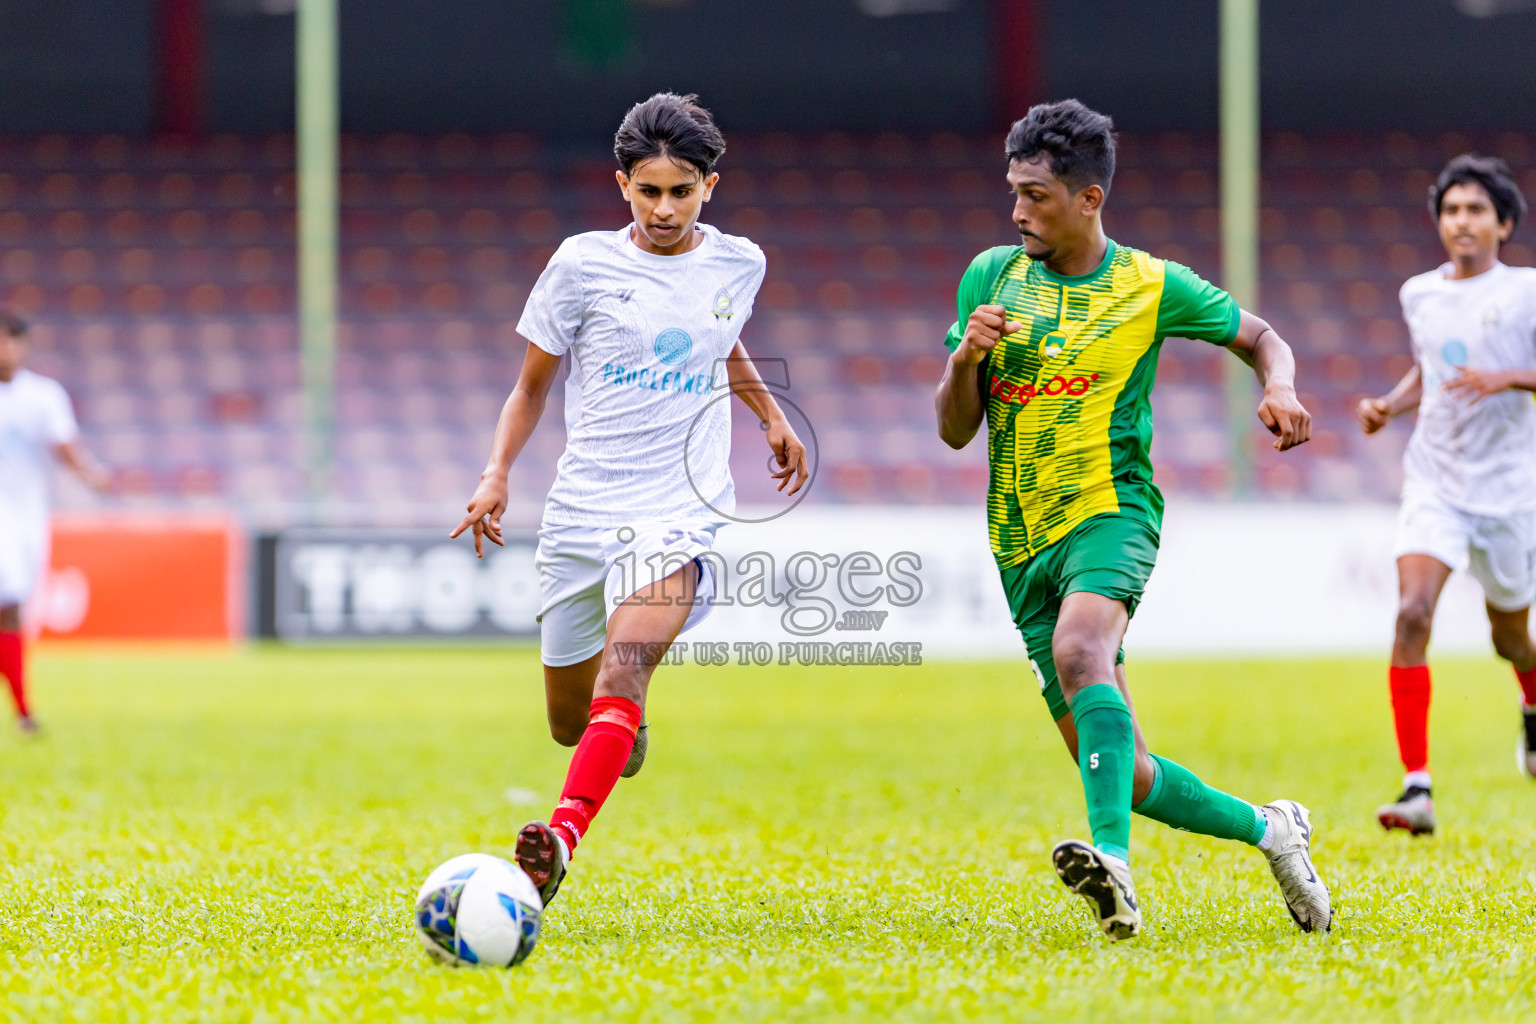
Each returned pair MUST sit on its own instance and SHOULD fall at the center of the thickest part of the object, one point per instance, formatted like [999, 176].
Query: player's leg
[568, 703]
[21, 561]
[1145, 773]
[1503, 560]
[568, 698]
[1104, 575]
[1104, 726]
[1433, 539]
[1083, 649]
[1512, 642]
[13, 663]
[639, 631]
[1167, 792]
[1420, 580]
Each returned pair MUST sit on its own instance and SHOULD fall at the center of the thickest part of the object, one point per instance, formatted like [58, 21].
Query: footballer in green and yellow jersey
[1055, 349]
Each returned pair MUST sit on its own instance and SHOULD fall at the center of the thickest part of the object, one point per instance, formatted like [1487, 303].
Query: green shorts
[1112, 555]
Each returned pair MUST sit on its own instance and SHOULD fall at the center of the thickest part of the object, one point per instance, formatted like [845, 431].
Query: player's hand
[485, 510]
[789, 453]
[1373, 414]
[1283, 414]
[983, 330]
[1477, 384]
[97, 478]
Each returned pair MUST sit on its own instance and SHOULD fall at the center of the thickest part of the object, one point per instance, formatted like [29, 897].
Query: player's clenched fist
[1285, 417]
[982, 331]
[1373, 414]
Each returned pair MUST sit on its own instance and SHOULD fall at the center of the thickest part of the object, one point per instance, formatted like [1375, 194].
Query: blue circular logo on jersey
[1454, 352]
[673, 345]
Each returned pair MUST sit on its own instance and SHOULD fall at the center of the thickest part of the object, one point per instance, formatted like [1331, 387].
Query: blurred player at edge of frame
[649, 314]
[1469, 472]
[37, 424]
[1055, 349]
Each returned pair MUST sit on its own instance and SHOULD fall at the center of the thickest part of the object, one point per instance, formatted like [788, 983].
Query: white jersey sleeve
[58, 415]
[556, 307]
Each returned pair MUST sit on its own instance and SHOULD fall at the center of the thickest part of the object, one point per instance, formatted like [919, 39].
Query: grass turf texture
[210, 837]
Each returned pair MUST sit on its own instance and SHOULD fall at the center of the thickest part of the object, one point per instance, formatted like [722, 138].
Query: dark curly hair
[1492, 174]
[672, 126]
[12, 323]
[1079, 141]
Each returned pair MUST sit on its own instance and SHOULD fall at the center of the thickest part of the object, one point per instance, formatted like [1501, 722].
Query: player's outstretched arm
[1479, 384]
[960, 403]
[747, 384]
[1258, 345]
[86, 468]
[519, 416]
[1375, 413]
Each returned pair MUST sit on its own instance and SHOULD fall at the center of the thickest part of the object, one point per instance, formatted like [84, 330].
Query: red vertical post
[179, 38]
[1019, 57]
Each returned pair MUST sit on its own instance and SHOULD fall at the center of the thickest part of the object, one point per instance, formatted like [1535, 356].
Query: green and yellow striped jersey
[1069, 411]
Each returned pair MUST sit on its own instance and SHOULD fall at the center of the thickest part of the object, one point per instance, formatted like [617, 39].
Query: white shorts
[23, 553]
[586, 572]
[1499, 551]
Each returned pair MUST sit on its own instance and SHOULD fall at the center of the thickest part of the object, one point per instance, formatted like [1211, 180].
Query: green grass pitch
[208, 837]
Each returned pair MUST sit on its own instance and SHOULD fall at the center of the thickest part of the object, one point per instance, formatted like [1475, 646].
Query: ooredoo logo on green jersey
[1023, 392]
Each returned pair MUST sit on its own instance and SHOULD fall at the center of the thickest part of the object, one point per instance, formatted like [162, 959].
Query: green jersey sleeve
[976, 287]
[1192, 307]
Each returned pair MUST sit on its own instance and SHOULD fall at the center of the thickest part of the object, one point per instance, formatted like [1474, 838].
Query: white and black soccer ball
[478, 909]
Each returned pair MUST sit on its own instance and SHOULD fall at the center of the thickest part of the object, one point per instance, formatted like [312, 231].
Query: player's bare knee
[1415, 617]
[567, 721]
[1081, 661]
[10, 618]
[567, 730]
[1513, 645]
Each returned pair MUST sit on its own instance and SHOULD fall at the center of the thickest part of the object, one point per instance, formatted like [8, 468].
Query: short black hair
[1491, 173]
[1079, 141]
[12, 322]
[672, 126]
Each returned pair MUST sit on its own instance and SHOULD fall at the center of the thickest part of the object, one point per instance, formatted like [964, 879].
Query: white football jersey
[1477, 456]
[648, 423]
[35, 416]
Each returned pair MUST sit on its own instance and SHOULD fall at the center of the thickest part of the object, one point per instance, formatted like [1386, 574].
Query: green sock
[1106, 756]
[1179, 799]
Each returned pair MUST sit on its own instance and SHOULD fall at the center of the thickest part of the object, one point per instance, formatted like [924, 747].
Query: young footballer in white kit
[1469, 474]
[37, 425]
[651, 317]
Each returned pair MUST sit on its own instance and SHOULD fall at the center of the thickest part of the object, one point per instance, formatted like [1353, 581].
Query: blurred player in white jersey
[1469, 474]
[651, 317]
[37, 425]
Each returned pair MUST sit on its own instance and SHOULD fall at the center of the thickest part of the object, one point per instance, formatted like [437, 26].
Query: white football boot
[1414, 811]
[1290, 859]
[1104, 881]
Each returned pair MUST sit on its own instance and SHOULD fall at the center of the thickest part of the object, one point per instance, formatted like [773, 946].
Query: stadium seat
[163, 275]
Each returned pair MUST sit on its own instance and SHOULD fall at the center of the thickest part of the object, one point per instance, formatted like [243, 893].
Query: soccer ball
[478, 909]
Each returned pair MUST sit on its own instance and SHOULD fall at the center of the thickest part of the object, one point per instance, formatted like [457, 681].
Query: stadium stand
[161, 278]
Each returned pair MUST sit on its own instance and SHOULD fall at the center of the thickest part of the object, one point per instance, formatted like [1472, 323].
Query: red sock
[595, 767]
[12, 667]
[1410, 711]
[1527, 685]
